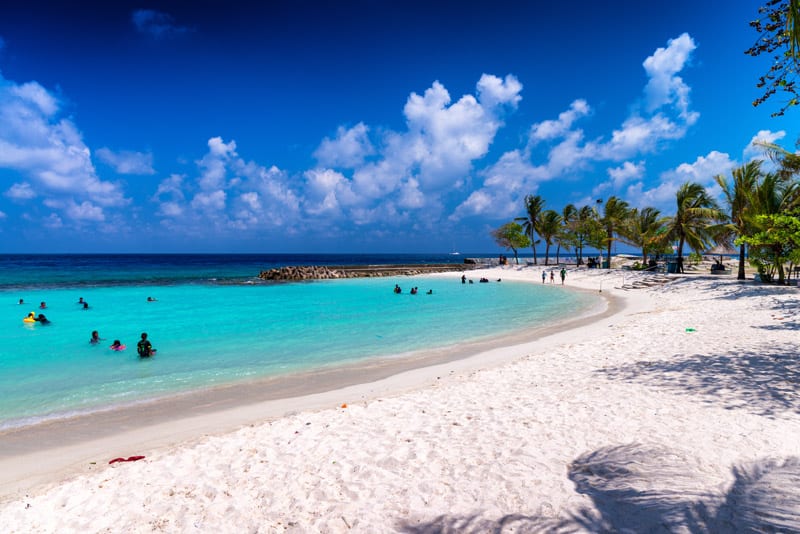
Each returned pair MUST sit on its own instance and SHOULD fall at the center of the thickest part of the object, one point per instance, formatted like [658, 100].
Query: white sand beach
[679, 411]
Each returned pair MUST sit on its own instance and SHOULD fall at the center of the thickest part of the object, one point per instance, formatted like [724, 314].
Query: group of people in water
[414, 290]
[143, 347]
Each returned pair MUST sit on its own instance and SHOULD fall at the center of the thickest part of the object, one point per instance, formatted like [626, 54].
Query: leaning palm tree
[643, 230]
[696, 212]
[530, 223]
[738, 194]
[615, 213]
[549, 228]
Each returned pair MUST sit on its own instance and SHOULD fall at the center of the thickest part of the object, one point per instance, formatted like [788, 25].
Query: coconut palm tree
[585, 223]
[696, 211]
[773, 195]
[615, 213]
[549, 228]
[566, 236]
[530, 223]
[643, 230]
[738, 193]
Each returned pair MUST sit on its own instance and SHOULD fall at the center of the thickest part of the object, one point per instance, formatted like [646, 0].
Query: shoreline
[680, 412]
[51, 451]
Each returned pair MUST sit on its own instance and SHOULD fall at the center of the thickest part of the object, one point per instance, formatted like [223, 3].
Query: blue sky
[374, 126]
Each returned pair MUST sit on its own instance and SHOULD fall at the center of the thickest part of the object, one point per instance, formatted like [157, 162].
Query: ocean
[213, 322]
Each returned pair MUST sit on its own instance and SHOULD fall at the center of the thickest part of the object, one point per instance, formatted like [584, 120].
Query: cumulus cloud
[664, 85]
[665, 117]
[20, 191]
[157, 24]
[553, 129]
[228, 194]
[127, 162]
[348, 150]
[701, 171]
[625, 173]
[48, 152]
[408, 172]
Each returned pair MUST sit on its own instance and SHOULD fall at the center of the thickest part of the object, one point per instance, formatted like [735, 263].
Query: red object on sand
[128, 459]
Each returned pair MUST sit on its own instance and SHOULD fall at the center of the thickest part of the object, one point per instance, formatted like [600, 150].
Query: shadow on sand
[637, 488]
[765, 382]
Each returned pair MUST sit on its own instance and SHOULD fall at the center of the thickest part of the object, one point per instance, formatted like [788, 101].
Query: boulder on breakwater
[324, 272]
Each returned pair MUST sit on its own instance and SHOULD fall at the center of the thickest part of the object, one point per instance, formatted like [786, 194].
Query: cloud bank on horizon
[367, 180]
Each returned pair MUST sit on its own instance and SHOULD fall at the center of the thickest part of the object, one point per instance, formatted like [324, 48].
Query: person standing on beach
[563, 275]
[544, 276]
[552, 277]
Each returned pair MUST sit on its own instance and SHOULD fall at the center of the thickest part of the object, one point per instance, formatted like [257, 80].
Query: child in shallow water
[116, 345]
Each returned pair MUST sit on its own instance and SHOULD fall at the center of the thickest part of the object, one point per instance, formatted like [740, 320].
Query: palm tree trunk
[558, 254]
[680, 254]
[547, 254]
[741, 276]
[608, 251]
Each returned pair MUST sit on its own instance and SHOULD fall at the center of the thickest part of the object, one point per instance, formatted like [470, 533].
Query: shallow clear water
[209, 334]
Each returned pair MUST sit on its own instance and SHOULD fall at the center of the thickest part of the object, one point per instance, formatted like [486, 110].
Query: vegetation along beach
[413, 267]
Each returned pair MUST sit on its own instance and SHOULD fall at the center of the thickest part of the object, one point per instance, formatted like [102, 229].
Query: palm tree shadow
[638, 488]
[763, 382]
[651, 489]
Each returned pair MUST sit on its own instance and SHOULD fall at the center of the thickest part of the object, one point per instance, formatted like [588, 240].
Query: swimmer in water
[42, 319]
[117, 345]
[144, 348]
[95, 337]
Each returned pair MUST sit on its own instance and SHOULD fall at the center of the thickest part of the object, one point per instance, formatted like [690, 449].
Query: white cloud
[49, 151]
[668, 117]
[701, 171]
[3, 215]
[127, 162]
[494, 92]
[752, 151]
[665, 87]
[212, 200]
[85, 211]
[348, 150]
[21, 191]
[627, 172]
[553, 129]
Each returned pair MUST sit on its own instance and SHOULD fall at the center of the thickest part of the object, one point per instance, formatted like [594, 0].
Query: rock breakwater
[325, 272]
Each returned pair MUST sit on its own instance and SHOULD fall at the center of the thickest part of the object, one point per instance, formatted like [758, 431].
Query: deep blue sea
[214, 322]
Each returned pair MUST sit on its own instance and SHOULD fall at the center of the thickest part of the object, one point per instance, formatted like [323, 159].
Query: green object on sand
[691, 330]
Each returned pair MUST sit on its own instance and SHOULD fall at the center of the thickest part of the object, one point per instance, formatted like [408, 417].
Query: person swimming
[43, 305]
[397, 289]
[85, 305]
[117, 346]
[95, 337]
[80, 300]
[31, 318]
[144, 348]
[151, 299]
[42, 319]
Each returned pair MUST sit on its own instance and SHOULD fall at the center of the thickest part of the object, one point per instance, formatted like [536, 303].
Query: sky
[359, 126]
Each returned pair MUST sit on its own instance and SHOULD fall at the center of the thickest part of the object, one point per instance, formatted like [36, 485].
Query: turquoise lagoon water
[210, 333]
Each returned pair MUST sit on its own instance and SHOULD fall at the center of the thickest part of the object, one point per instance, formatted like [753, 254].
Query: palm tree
[615, 213]
[643, 229]
[530, 224]
[696, 211]
[774, 195]
[584, 223]
[738, 196]
[566, 236]
[549, 227]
